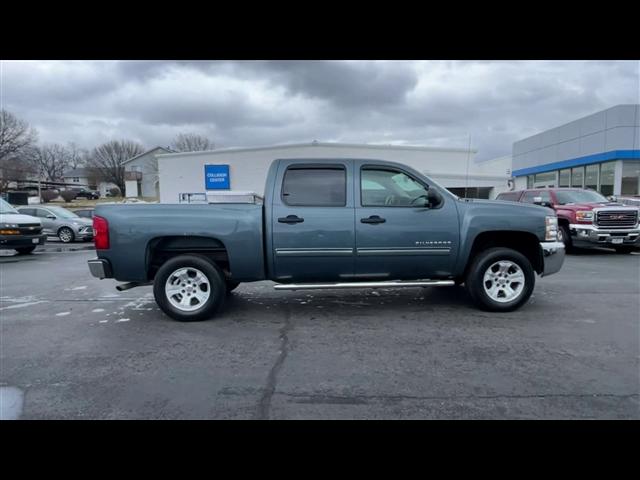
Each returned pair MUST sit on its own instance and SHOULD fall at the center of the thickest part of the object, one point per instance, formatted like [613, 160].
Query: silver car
[62, 223]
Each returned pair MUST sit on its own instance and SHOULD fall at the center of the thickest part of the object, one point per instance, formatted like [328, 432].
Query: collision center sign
[216, 177]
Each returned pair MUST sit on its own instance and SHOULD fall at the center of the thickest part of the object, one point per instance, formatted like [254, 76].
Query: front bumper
[84, 233]
[19, 241]
[590, 235]
[100, 268]
[552, 257]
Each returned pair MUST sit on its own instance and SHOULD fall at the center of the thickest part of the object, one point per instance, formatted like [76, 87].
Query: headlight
[551, 228]
[584, 216]
[9, 225]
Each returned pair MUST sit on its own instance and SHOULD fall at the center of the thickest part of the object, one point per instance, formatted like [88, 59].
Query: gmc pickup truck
[329, 223]
[586, 218]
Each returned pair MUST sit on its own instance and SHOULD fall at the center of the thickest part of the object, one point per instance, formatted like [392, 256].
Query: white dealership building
[245, 169]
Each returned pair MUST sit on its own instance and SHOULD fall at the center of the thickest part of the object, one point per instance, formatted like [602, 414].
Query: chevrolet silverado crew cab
[586, 218]
[334, 223]
[22, 233]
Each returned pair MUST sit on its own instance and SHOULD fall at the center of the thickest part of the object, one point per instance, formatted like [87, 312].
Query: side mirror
[612, 198]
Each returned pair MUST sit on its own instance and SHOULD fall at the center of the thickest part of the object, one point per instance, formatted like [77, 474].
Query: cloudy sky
[249, 103]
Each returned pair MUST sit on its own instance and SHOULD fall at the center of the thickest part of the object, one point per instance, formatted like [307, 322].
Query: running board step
[388, 284]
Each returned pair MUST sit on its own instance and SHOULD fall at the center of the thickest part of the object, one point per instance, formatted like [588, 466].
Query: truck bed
[134, 228]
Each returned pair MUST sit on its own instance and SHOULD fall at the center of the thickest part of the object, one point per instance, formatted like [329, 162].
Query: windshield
[6, 208]
[579, 196]
[62, 213]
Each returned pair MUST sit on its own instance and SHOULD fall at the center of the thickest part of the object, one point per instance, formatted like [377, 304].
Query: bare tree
[77, 156]
[15, 134]
[191, 142]
[16, 140]
[107, 159]
[51, 161]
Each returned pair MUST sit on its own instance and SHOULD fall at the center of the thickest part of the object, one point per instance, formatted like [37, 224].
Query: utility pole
[466, 181]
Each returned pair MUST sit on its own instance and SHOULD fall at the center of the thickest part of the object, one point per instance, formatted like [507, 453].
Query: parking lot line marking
[20, 305]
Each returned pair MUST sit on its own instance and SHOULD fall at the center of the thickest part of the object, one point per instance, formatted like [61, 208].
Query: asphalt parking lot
[75, 348]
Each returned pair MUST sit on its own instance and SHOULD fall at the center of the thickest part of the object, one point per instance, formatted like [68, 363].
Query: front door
[313, 221]
[48, 224]
[397, 235]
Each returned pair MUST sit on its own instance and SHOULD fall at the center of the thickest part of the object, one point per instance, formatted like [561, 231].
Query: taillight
[101, 233]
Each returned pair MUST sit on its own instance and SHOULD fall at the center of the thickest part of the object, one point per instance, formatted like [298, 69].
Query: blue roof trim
[576, 162]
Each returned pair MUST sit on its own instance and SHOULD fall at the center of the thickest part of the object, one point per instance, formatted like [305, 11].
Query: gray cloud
[250, 103]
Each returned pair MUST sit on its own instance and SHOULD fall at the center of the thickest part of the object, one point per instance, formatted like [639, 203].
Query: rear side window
[510, 197]
[315, 187]
[28, 211]
[528, 197]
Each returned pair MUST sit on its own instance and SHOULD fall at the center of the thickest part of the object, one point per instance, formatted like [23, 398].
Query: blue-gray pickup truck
[334, 223]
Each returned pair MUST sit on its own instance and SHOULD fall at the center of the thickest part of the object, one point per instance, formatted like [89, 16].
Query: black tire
[25, 250]
[66, 235]
[475, 279]
[624, 249]
[232, 285]
[214, 276]
[565, 237]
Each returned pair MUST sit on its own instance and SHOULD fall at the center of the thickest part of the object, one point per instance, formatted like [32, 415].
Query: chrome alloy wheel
[504, 281]
[65, 235]
[187, 289]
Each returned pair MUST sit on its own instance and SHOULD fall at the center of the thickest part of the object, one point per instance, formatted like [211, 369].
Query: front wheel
[500, 280]
[189, 288]
[66, 235]
[565, 237]
[25, 250]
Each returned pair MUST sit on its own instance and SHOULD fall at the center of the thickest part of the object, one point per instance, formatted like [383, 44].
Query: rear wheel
[500, 280]
[25, 250]
[189, 288]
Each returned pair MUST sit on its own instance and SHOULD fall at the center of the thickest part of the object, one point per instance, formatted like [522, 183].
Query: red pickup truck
[585, 217]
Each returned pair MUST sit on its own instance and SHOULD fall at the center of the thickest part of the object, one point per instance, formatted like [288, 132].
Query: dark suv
[585, 217]
[84, 193]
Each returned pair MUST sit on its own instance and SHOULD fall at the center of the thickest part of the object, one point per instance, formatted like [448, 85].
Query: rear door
[313, 221]
[397, 237]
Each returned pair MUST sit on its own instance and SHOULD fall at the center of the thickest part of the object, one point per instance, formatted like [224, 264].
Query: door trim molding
[367, 252]
[314, 252]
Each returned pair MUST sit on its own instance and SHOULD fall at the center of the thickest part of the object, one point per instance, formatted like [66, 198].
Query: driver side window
[390, 188]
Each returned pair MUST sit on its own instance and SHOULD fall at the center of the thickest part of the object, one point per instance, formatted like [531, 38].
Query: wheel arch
[526, 243]
[160, 249]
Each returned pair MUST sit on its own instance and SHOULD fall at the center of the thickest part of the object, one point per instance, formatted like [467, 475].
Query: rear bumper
[552, 257]
[100, 268]
[591, 235]
[19, 241]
